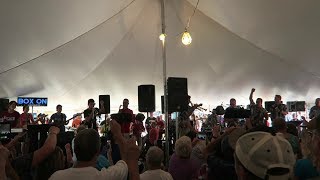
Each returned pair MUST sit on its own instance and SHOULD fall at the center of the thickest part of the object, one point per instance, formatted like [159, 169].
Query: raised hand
[115, 128]
[67, 146]
[54, 130]
[133, 151]
[253, 90]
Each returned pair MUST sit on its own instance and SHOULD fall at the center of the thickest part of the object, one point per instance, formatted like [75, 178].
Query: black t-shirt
[59, 120]
[92, 121]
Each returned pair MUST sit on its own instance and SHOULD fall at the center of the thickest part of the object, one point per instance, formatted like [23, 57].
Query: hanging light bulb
[162, 37]
[186, 38]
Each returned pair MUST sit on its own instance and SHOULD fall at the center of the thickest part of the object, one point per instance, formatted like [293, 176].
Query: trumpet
[201, 108]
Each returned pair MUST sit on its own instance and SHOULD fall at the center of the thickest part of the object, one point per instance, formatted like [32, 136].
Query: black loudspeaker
[106, 100]
[268, 105]
[177, 103]
[146, 98]
[178, 99]
[4, 104]
[177, 86]
[294, 106]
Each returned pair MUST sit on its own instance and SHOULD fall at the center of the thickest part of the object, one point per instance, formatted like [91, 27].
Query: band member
[233, 103]
[59, 119]
[161, 127]
[184, 119]
[259, 115]
[90, 114]
[278, 110]
[211, 121]
[26, 117]
[125, 126]
[315, 110]
[11, 116]
[138, 128]
[76, 121]
[230, 110]
[153, 134]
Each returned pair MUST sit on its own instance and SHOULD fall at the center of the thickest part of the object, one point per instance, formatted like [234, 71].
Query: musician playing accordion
[278, 110]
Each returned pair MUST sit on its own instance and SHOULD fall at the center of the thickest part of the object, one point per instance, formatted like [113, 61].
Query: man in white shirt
[87, 149]
[154, 159]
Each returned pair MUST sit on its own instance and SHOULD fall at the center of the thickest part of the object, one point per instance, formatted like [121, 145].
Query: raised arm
[251, 96]
[47, 148]
[117, 136]
[129, 151]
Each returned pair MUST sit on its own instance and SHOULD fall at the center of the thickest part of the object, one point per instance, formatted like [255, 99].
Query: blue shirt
[305, 169]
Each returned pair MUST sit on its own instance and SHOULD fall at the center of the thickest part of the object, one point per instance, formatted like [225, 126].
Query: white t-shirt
[117, 171]
[157, 174]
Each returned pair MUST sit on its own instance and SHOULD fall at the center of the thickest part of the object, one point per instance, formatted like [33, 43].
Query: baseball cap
[259, 152]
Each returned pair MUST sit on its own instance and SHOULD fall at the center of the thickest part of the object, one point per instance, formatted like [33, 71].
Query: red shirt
[11, 118]
[25, 118]
[153, 135]
[125, 127]
[76, 122]
[138, 128]
[160, 124]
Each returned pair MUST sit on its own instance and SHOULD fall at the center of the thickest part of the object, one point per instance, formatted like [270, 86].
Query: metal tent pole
[164, 58]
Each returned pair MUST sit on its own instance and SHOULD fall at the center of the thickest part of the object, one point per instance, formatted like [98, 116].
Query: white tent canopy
[70, 51]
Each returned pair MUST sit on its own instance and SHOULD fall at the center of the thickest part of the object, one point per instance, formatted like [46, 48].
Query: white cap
[260, 151]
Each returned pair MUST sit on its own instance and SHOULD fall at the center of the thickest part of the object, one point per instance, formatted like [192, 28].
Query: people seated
[154, 159]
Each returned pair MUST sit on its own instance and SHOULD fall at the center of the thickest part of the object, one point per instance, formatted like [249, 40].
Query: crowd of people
[232, 150]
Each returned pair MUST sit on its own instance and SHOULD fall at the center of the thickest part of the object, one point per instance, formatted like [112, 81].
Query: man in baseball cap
[262, 155]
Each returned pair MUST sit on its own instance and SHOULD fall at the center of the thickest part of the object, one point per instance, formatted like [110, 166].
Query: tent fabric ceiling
[236, 46]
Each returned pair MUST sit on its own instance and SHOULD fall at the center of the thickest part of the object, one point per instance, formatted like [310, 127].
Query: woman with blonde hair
[181, 166]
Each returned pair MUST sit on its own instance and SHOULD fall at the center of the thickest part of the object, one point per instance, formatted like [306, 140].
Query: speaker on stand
[178, 98]
[146, 98]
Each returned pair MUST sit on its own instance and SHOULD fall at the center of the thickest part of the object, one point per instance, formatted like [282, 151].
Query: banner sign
[31, 101]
